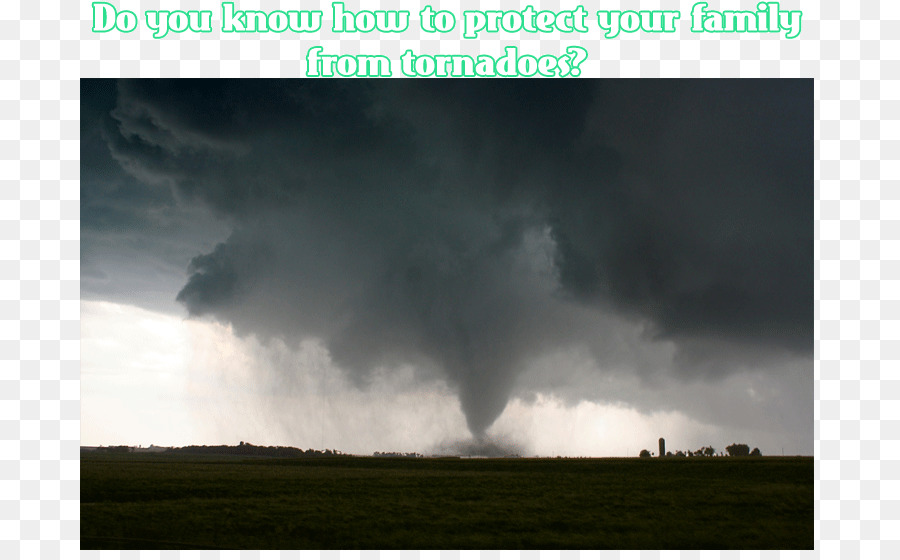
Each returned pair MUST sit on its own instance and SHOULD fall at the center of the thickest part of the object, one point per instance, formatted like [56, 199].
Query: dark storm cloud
[468, 227]
[136, 237]
[707, 229]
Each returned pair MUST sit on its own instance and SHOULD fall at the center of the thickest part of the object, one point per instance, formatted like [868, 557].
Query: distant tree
[709, 451]
[644, 453]
[756, 452]
[679, 453]
[738, 450]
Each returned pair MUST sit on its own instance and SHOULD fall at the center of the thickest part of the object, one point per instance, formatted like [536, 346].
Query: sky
[484, 267]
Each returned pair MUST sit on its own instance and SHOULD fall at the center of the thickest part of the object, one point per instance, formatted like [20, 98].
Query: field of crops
[153, 501]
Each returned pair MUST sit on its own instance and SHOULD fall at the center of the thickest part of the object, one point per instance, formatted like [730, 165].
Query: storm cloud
[470, 228]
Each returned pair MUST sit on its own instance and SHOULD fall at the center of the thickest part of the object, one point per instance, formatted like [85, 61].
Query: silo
[662, 447]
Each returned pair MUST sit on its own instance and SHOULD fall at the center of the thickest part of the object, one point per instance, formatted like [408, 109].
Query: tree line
[733, 450]
[248, 449]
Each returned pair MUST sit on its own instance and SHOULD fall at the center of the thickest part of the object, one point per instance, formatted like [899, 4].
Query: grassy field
[143, 501]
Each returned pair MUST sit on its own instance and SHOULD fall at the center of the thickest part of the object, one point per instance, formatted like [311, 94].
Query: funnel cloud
[470, 229]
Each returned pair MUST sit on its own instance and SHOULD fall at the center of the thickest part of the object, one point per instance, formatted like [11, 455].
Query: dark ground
[160, 501]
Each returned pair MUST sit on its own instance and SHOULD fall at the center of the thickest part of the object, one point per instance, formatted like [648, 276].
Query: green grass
[133, 501]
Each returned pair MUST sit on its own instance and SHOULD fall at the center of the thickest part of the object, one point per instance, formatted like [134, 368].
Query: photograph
[523, 314]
